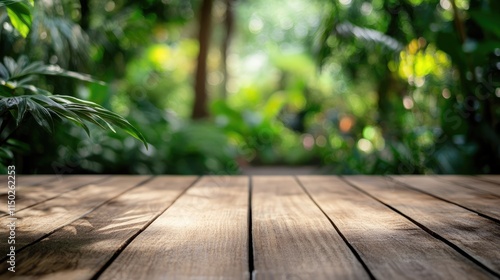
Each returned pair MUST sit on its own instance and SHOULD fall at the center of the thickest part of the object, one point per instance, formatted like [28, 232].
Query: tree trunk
[84, 14]
[229, 26]
[200, 110]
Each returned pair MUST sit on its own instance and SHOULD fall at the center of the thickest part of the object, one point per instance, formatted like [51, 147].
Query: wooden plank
[35, 222]
[471, 182]
[490, 178]
[27, 196]
[391, 246]
[22, 181]
[475, 235]
[479, 201]
[80, 249]
[31, 180]
[203, 235]
[292, 238]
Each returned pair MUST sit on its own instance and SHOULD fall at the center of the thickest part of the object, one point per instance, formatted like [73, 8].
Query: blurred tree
[200, 108]
[228, 33]
[469, 43]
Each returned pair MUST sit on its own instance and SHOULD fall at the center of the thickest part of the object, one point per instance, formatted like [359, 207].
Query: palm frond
[43, 106]
[21, 71]
[64, 38]
[9, 2]
[369, 35]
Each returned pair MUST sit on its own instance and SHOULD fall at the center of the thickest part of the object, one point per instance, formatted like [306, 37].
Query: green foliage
[419, 82]
[488, 20]
[404, 86]
[20, 15]
[176, 146]
[21, 98]
[368, 35]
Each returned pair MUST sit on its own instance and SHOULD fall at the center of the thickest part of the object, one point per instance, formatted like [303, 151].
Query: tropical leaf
[4, 3]
[41, 115]
[22, 106]
[487, 20]
[20, 16]
[42, 108]
[4, 73]
[65, 39]
[368, 35]
[22, 71]
[105, 115]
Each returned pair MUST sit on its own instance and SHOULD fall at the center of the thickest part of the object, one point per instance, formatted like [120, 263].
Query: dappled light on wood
[304, 227]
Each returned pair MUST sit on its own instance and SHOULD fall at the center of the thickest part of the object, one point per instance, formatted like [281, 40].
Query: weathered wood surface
[36, 222]
[476, 200]
[378, 234]
[490, 178]
[476, 236]
[293, 238]
[471, 182]
[91, 241]
[34, 179]
[263, 227]
[36, 189]
[203, 234]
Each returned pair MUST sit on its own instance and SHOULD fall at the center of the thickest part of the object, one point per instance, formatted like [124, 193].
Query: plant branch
[459, 25]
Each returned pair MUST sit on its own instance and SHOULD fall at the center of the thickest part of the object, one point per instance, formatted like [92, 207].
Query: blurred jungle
[212, 86]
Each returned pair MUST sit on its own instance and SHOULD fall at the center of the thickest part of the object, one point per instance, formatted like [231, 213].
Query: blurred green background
[216, 86]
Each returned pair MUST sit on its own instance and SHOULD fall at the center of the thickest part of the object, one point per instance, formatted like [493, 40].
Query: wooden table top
[261, 227]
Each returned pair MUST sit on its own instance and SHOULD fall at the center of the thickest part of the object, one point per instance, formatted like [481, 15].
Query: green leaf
[19, 72]
[41, 115]
[20, 17]
[96, 114]
[36, 90]
[447, 42]
[42, 105]
[487, 21]
[6, 153]
[55, 70]
[22, 105]
[348, 29]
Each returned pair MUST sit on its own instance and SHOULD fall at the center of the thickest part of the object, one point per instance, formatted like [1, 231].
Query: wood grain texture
[479, 201]
[39, 191]
[80, 249]
[35, 222]
[391, 246]
[27, 180]
[30, 180]
[490, 178]
[292, 238]
[74, 227]
[203, 235]
[20, 182]
[477, 236]
[471, 182]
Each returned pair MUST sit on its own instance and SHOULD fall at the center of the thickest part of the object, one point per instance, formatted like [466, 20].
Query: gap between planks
[292, 238]
[391, 246]
[473, 236]
[93, 240]
[478, 201]
[39, 221]
[37, 192]
[256, 192]
[471, 183]
[204, 234]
